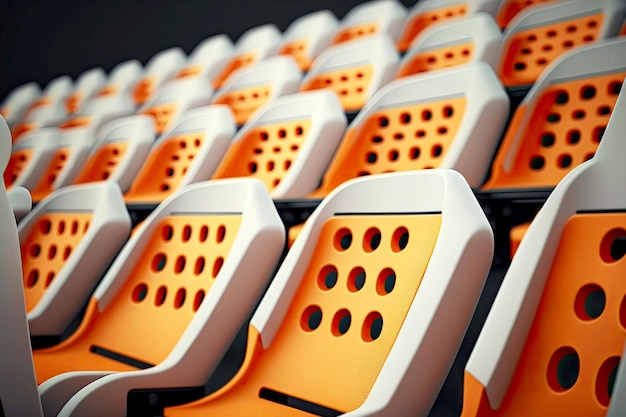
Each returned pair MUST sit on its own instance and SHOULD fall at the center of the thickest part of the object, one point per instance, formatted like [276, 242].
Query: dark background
[43, 39]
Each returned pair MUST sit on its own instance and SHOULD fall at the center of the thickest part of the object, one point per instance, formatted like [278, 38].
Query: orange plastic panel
[245, 101]
[516, 235]
[4, 111]
[158, 300]
[44, 186]
[165, 168]
[350, 84]
[240, 61]
[404, 138]
[419, 22]
[341, 324]
[103, 163]
[46, 249]
[510, 8]
[72, 102]
[163, 115]
[76, 122]
[18, 161]
[191, 71]
[530, 51]
[298, 51]
[143, 90]
[564, 131]
[623, 30]
[265, 153]
[449, 56]
[570, 357]
[108, 90]
[355, 32]
[22, 128]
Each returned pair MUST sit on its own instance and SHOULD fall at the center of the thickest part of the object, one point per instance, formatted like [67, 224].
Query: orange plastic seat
[371, 18]
[288, 144]
[18, 101]
[456, 42]
[555, 334]
[163, 66]
[307, 36]
[426, 13]
[444, 119]
[188, 153]
[354, 70]
[67, 243]
[30, 157]
[87, 85]
[561, 120]
[509, 9]
[543, 33]
[253, 46]
[122, 79]
[208, 58]
[348, 323]
[172, 301]
[250, 88]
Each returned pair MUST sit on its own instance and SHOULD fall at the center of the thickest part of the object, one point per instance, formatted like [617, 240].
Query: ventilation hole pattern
[47, 248]
[531, 51]
[510, 8]
[350, 84]
[103, 163]
[355, 32]
[563, 366]
[266, 152]
[449, 56]
[20, 158]
[240, 61]
[419, 22]
[298, 51]
[245, 101]
[56, 165]
[163, 115]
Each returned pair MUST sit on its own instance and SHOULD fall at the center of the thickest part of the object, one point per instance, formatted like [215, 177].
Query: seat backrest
[380, 267]
[354, 70]
[30, 157]
[429, 12]
[509, 9]
[160, 68]
[249, 88]
[555, 333]
[561, 120]
[86, 85]
[208, 245]
[120, 153]
[188, 153]
[208, 58]
[253, 46]
[444, 119]
[122, 78]
[369, 18]
[307, 36]
[100, 110]
[288, 144]
[67, 242]
[17, 103]
[21, 202]
[18, 388]
[472, 38]
[543, 33]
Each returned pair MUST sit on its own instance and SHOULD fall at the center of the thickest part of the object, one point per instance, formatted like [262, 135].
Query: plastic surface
[87, 85]
[208, 58]
[555, 332]
[21, 202]
[19, 100]
[369, 18]
[122, 78]
[160, 68]
[508, 9]
[30, 157]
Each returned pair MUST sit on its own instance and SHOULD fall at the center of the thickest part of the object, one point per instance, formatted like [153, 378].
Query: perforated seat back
[248, 89]
[122, 78]
[347, 296]
[509, 9]
[87, 85]
[556, 330]
[562, 119]
[190, 152]
[460, 41]
[445, 119]
[253, 46]
[546, 32]
[208, 58]
[29, 157]
[100, 110]
[17, 103]
[369, 18]
[429, 12]
[120, 153]
[288, 144]
[355, 70]
[307, 36]
[163, 66]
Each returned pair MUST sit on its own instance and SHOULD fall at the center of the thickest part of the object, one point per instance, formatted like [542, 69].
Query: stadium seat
[99, 110]
[19, 100]
[369, 18]
[249, 88]
[354, 70]
[67, 242]
[123, 78]
[307, 36]
[429, 12]
[188, 153]
[120, 151]
[163, 66]
[21, 202]
[88, 84]
[30, 157]
[18, 389]
[254, 45]
[208, 59]
[543, 33]
[555, 334]
[456, 42]
[172, 301]
[352, 321]
[287, 144]
[508, 9]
